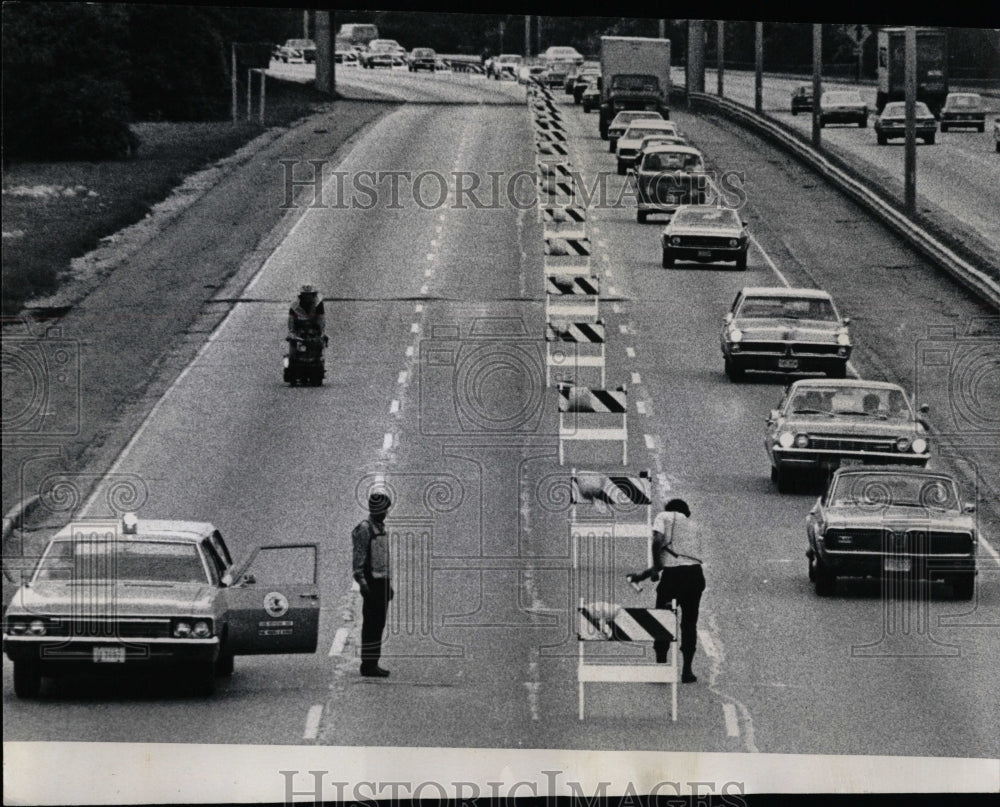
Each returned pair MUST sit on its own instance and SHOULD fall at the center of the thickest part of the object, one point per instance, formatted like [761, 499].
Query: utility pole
[817, 84]
[305, 24]
[538, 33]
[527, 36]
[500, 45]
[758, 84]
[234, 101]
[720, 46]
[663, 29]
[695, 74]
[910, 86]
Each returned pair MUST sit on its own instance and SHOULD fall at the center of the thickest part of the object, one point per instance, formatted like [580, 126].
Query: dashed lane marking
[650, 441]
[402, 377]
[418, 308]
[732, 722]
[640, 407]
[312, 722]
[394, 407]
[636, 378]
[339, 640]
[409, 351]
[387, 441]
[415, 327]
[630, 352]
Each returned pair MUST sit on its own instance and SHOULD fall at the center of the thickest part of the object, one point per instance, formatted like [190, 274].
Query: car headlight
[675, 240]
[919, 445]
[182, 630]
[786, 439]
[903, 444]
[802, 441]
[201, 629]
[17, 628]
[36, 628]
[843, 338]
[733, 242]
[735, 335]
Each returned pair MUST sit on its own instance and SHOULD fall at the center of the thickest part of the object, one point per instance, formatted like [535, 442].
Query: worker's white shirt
[680, 535]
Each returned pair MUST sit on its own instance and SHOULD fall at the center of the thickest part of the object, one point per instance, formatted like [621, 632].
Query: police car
[136, 594]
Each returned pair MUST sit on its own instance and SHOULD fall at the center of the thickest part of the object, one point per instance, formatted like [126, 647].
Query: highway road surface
[436, 388]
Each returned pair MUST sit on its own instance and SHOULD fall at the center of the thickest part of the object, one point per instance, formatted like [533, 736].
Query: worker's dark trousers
[684, 584]
[373, 612]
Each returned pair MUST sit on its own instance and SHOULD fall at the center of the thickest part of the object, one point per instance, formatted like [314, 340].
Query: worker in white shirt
[677, 565]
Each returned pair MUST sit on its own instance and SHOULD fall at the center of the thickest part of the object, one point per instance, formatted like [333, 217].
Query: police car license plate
[897, 564]
[109, 655]
[788, 364]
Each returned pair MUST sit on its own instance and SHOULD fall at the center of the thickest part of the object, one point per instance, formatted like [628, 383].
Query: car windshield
[423, 52]
[672, 161]
[707, 217]
[902, 490]
[815, 308]
[84, 561]
[842, 98]
[964, 101]
[881, 403]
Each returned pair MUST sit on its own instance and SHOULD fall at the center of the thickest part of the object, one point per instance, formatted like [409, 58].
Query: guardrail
[967, 273]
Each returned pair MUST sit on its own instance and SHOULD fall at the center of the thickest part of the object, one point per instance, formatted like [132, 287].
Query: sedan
[843, 106]
[506, 65]
[627, 146]
[152, 593]
[892, 123]
[823, 424]
[963, 110]
[422, 59]
[298, 50]
[657, 139]
[705, 234]
[802, 99]
[788, 330]
[622, 121]
[876, 521]
[668, 177]
[582, 81]
[590, 98]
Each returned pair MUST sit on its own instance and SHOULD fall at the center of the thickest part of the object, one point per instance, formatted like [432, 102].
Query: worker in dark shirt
[371, 571]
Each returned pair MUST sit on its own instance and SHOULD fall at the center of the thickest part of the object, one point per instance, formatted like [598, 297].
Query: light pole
[910, 153]
[817, 85]
[720, 46]
[758, 84]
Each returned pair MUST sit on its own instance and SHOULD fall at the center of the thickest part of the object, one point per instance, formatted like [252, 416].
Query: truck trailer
[635, 74]
[932, 67]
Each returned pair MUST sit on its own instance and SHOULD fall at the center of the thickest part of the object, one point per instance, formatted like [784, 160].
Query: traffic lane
[959, 172]
[231, 443]
[733, 474]
[895, 333]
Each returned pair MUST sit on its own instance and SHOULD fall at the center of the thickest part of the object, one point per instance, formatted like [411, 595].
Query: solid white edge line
[732, 723]
[312, 722]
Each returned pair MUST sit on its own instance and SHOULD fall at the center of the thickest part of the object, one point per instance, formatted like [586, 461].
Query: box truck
[932, 67]
[635, 74]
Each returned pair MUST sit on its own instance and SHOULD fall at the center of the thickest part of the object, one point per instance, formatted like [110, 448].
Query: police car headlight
[201, 629]
[182, 630]
[801, 441]
[786, 439]
[36, 628]
[735, 335]
[919, 446]
[843, 338]
[903, 444]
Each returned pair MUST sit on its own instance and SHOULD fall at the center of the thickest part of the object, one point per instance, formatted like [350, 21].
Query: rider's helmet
[308, 297]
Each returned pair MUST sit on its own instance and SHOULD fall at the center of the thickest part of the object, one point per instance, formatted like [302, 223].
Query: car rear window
[672, 161]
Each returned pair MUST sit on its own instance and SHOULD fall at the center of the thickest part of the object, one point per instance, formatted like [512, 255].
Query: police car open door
[274, 602]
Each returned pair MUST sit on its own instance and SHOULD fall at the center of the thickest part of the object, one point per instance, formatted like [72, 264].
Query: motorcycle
[304, 363]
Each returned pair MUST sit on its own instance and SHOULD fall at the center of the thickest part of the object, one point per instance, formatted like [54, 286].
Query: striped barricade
[608, 622]
[559, 169]
[550, 135]
[576, 333]
[571, 297]
[579, 401]
[563, 245]
[569, 221]
[614, 497]
[557, 149]
[554, 191]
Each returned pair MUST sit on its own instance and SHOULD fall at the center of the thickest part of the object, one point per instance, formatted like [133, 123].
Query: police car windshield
[81, 561]
[884, 490]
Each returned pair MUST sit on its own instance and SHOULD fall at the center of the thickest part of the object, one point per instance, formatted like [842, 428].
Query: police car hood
[57, 598]
[785, 329]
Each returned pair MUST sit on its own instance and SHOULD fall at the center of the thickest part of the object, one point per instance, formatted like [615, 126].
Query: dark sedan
[892, 123]
[843, 106]
[963, 110]
[802, 99]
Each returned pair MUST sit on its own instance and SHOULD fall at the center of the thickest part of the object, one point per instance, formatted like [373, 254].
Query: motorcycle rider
[306, 318]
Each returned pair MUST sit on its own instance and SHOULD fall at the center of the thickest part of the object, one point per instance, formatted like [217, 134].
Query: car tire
[929, 140]
[225, 664]
[203, 678]
[824, 581]
[667, 259]
[963, 586]
[741, 261]
[782, 479]
[840, 371]
[27, 679]
[733, 371]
